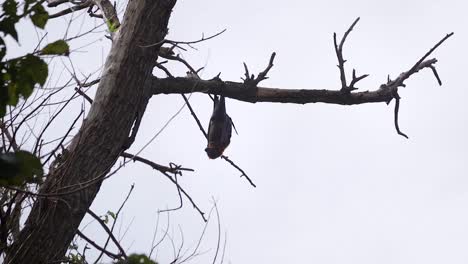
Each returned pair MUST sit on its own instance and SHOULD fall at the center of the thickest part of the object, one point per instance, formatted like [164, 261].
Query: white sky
[336, 184]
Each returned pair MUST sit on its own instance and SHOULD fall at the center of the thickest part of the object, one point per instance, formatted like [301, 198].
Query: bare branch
[239, 169]
[115, 221]
[71, 9]
[196, 41]
[341, 61]
[251, 81]
[385, 93]
[421, 63]
[397, 109]
[94, 244]
[108, 231]
[163, 169]
[176, 43]
[156, 166]
[54, 3]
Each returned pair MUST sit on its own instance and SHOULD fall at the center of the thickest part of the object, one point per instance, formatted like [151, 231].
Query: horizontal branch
[238, 91]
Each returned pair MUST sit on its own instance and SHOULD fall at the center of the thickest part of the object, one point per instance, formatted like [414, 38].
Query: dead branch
[177, 43]
[109, 14]
[108, 231]
[250, 81]
[157, 167]
[164, 169]
[341, 61]
[344, 96]
[114, 222]
[54, 3]
[72, 9]
[94, 244]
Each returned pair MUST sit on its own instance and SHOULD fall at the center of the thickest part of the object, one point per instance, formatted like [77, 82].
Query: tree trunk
[53, 220]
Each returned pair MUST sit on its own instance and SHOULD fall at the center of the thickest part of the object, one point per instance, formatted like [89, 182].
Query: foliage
[137, 259]
[18, 77]
[19, 167]
[112, 26]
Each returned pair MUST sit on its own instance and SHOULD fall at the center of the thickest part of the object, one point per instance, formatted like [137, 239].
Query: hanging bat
[219, 129]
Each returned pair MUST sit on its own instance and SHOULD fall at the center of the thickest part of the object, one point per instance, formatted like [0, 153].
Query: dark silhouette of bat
[219, 129]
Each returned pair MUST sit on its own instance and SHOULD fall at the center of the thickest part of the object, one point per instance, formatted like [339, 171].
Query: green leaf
[26, 5]
[112, 26]
[39, 16]
[19, 78]
[7, 26]
[112, 214]
[34, 67]
[10, 18]
[106, 219]
[20, 168]
[59, 47]
[10, 7]
[137, 259]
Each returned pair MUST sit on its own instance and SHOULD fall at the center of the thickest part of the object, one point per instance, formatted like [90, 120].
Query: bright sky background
[336, 184]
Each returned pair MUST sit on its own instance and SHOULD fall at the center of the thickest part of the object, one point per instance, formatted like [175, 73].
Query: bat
[219, 129]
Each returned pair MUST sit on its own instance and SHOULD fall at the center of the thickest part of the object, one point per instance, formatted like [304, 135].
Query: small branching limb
[423, 63]
[54, 3]
[74, 8]
[355, 80]
[393, 85]
[92, 12]
[109, 13]
[160, 65]
[99, 248]
[176, 170]
[109, 233]
[173, 169]
[166, 54]
[176, 43]
[250, 82]
[341, 62]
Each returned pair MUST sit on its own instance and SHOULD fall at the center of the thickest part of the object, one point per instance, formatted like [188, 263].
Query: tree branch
[236, 90]
[344, 96]
[94, 244]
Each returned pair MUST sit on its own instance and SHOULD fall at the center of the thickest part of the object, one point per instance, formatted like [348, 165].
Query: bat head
[214, 152]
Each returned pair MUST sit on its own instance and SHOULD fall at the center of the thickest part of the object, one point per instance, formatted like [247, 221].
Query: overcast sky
[336, 184]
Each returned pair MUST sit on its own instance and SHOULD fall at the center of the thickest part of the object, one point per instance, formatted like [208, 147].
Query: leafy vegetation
[18, 78]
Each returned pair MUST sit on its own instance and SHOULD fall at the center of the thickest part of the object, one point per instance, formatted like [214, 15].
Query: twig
[115, 220]
[156, 166]
[239, 169]
[250, 79]
[71, 9]
[420, 64]
[181, 202]
[108, 231]
[397, 109]
[94, 244]
[341, 62]
[176, 43]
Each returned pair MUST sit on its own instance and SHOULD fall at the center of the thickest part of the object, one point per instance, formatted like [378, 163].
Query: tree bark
[121, 96]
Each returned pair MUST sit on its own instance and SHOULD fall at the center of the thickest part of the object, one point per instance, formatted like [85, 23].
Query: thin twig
[94, 244]
[108, 231]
